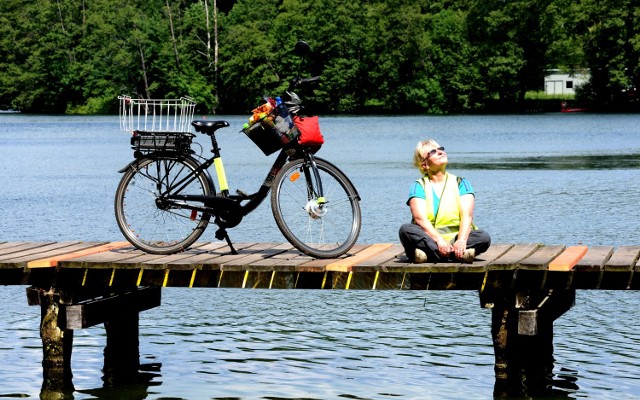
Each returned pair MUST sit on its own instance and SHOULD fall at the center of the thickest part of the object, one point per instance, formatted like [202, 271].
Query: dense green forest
[398, 56]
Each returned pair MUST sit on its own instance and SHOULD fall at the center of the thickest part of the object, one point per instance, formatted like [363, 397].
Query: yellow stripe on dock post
[193, 277]
[346, 287]
[273, 275]
[84, 277]
[139, 277]
[324, 280]
[166, 278]
[244, 281]
[375, 280]
[220, 278]
[113, 274]
[484, 281]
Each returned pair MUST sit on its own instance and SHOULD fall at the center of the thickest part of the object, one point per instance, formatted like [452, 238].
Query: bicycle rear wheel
[145, 216]
[322, 227]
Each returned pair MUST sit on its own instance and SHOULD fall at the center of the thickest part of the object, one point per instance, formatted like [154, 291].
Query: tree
[612, 52]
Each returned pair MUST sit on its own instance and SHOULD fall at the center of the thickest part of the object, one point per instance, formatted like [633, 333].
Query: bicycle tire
[145, 220]
[320, 230]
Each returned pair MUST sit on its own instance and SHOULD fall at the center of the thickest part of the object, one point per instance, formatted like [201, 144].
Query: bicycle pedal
[243, 195]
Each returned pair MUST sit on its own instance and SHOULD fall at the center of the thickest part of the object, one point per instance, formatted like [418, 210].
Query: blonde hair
[418, 158]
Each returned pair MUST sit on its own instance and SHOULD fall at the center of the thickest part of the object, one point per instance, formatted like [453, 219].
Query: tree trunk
[173, 36]
[144, 71]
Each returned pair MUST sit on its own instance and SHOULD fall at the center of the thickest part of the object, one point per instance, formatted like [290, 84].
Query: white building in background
[560, 82]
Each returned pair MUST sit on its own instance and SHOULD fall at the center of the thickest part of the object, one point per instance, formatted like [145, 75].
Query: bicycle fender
[345, 175]
[130, 165]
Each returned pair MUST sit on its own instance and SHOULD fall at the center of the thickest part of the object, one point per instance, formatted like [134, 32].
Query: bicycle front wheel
[320, 226]
[147, 218]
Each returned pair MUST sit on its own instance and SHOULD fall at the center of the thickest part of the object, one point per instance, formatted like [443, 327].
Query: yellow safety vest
[446, 219]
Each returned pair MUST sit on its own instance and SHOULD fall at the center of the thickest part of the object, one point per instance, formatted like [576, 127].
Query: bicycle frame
[227, 208]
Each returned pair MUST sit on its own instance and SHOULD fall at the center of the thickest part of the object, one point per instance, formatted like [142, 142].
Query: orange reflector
[194, 214]
[294, 177]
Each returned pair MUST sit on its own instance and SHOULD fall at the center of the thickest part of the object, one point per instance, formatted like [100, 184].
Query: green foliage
[394, 56]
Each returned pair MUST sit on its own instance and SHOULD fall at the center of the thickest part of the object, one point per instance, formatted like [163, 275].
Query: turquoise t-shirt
[417, 190]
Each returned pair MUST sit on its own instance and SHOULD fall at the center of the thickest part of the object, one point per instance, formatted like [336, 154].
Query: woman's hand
[459, 246]
[445, 248]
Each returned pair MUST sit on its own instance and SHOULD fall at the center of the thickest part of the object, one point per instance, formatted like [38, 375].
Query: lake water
[548, 178]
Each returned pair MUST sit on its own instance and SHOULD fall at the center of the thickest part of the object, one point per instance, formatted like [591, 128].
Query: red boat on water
[564, 107]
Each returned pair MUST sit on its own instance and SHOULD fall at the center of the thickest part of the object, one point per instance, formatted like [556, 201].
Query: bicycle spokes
[148, 217]
[317, 211]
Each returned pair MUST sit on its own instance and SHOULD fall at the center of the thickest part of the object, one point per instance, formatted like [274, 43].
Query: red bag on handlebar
[309, 129]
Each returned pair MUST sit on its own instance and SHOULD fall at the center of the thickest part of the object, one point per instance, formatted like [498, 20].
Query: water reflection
[131, 387]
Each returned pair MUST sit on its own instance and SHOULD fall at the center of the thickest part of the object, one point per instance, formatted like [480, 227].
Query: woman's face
[434, 156]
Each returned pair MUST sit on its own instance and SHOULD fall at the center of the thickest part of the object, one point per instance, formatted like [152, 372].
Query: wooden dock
[276, 265]
[81, 284]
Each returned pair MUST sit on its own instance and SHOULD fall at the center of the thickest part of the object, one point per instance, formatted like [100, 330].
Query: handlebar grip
[310, 80]
[299, 82]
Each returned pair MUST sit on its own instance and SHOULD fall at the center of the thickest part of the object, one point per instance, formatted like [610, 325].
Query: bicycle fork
[315, 206]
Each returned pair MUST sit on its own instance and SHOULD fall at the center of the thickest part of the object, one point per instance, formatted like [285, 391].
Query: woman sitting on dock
[441, 205]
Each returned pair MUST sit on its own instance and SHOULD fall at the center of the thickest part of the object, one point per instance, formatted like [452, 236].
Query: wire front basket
[156, 115]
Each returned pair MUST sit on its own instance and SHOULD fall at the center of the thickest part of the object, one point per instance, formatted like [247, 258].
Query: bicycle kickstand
[222, 234]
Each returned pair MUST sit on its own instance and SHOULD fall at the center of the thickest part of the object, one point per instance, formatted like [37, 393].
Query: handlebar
[296, 82]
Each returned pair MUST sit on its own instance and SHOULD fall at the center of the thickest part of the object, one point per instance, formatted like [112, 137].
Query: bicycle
[166, 196]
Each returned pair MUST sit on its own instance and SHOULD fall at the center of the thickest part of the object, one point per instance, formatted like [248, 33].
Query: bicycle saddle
[208, 126]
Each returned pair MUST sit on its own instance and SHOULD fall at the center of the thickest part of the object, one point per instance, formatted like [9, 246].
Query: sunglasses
[433, 152]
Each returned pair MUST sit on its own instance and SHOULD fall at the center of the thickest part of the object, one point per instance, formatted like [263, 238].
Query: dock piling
[522, 332]
[61, 314]
[57, 344]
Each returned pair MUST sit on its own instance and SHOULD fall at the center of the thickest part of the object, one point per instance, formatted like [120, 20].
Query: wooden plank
[243, 249]
[286, 261]
[595, 259]
[541, 258]
[320, 264]
[623, 259]
[266, 260]
[23, 258]
[482, 261]
[101, 260]
[204, 259]
[162, 261]
[511, 259]
[96, 311]
[83, 250]
[14, 247]
[494, 252]
[346, 264]
[288, 253]
[205, 252]
[9, 245]
[568, 259]
[401, 264]
[372, 263]
[258, 252]
[32, 250]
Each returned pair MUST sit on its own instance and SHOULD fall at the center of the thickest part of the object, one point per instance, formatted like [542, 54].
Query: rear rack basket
[156, 115]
